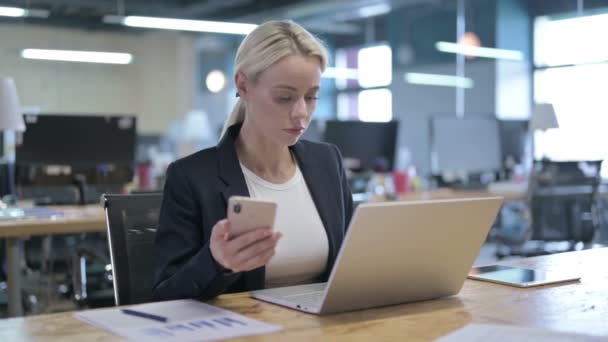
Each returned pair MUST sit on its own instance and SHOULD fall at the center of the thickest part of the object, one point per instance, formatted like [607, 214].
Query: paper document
[507, 333]
[183, 320]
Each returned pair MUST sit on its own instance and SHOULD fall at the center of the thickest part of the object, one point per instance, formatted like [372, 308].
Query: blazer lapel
[229, 169]
[232, 176]
[317, 180]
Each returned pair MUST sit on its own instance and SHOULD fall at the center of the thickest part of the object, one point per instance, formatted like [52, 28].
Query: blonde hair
[266, 45]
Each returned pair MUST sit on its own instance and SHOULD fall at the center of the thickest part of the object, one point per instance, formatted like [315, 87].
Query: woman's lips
[294, 131]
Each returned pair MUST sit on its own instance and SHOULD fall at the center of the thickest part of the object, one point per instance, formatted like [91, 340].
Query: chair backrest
[562, 200]
[132, 221]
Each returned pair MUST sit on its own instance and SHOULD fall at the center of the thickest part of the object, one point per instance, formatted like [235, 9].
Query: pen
[144, 315]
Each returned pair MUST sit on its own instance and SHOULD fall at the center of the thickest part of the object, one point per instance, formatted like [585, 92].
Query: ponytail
[237, 115]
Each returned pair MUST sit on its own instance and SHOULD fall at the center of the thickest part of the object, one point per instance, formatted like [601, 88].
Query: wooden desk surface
[76, 219]
[574, 307]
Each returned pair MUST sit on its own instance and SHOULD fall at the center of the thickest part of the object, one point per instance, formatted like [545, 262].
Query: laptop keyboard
[311, 299]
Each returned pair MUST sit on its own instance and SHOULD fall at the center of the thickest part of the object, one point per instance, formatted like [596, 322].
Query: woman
[277, 74]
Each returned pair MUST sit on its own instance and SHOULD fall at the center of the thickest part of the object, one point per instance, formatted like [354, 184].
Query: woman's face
[280, 103]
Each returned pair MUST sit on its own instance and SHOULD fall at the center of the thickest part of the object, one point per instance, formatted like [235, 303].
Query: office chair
[132, 221]
[563, 205]
[564, 201]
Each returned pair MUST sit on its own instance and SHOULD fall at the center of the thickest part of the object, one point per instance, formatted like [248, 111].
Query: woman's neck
[268, 160]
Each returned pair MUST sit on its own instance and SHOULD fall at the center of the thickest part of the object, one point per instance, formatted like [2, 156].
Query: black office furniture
[132, 221]
[70, 159]
[373, 144]
[513, 136]
[563, 200]
[563, 210]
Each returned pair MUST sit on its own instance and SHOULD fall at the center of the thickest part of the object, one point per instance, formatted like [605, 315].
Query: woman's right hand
[244, 252]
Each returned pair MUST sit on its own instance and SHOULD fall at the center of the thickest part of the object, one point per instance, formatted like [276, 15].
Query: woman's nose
[300, 109]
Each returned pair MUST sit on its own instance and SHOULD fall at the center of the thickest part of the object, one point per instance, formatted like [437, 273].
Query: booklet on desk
[183, 320]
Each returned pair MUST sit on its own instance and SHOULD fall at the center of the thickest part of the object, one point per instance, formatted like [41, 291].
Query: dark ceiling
[339, 17]
[193, 9]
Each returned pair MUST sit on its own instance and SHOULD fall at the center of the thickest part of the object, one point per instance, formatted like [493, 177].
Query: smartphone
[246, 213]
[520, 277]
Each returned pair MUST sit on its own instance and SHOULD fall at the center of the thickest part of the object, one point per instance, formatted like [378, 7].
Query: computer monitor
[87, 140]
[95, 153]
[372, 143]
[469, 145]
[513, 135]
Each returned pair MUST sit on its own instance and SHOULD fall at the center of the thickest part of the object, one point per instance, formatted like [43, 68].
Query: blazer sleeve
[185, 266]
[346, 193]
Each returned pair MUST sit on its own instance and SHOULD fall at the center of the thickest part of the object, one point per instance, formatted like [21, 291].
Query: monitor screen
[513, 139]
[371, 143]
[470, 145]
[80, 140]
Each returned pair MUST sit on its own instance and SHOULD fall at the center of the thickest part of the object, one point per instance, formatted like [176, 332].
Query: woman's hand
[244, 252]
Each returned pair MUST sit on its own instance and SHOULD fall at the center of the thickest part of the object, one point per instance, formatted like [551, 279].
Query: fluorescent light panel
[340, 73]
[12, 12]
[78, 56]
[181, 24]
[476, 51]
[374, 10]
[17, 12]
[438, 80]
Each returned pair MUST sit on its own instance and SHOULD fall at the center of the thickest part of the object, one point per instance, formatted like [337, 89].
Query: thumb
[221, 230]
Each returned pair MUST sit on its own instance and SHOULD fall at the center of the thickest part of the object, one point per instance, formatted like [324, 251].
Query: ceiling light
[469, 50]
[181, 24]
[374, 10]
[17, 12]
[216, 81]
[78, 56]
[438, 80]
[12, 12]
[340, 73]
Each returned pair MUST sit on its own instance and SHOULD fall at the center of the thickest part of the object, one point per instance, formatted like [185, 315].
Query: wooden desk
[75, 219]
[574, 307]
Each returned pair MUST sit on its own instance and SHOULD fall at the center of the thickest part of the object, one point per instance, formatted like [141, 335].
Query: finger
[220, 230]
[257, 261]
[242, 241]
[277, 236]
[252, 250]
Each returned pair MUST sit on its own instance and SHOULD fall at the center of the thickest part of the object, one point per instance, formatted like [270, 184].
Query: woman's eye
[312, 98]
[284, 99]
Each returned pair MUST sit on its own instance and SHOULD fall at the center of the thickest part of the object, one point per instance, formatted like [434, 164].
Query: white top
[301, 254]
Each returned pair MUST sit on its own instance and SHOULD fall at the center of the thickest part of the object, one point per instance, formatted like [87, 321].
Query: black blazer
[195, 197]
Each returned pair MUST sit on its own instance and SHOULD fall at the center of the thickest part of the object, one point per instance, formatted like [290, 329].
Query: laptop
[397, 252]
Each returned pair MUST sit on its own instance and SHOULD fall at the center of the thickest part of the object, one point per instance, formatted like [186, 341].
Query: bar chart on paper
[183, 320]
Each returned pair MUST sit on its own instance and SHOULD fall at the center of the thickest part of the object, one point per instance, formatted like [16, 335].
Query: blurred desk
[70, 219]
[576, 307]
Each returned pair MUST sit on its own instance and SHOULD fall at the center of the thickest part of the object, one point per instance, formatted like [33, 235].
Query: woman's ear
[241, 84]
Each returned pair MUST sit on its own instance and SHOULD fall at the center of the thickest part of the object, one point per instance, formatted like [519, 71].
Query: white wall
[513, 93]
[414, 104]
[158, 85]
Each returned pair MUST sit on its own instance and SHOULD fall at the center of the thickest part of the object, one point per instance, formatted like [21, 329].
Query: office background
[440, 119]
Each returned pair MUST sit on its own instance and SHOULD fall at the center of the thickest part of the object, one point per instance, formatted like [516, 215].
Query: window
[365, 97]
[577, 88]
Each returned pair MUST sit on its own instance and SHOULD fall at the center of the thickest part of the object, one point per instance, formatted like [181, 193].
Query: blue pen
[144, 315]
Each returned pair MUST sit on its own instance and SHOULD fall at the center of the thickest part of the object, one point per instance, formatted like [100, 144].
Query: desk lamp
[11, 120]
[543, 118]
